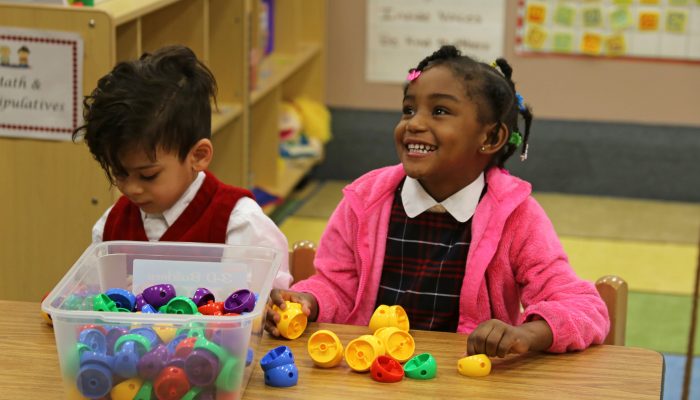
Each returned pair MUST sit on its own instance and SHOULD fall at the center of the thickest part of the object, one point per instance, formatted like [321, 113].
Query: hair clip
[413, 74]
[495, 66]
[521, 102]
[523, 156]
[515, 139]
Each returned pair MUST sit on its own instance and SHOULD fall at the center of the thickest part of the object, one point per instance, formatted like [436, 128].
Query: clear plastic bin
[82, 334]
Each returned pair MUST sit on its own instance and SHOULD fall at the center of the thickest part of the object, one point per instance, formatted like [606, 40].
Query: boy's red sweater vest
[204, 220]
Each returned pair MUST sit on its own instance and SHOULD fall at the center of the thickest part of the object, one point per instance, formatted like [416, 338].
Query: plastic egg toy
[386, 369]
[292, 320]
[127, 389]
[399, 344]
[475, 366]
[422, 366]
[325, 348]
[389, 316]
[361, 352]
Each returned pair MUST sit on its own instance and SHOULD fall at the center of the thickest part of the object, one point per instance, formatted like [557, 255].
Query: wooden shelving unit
[55, 191]
[296, 67]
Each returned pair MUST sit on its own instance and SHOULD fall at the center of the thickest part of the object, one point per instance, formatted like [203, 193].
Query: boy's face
[155, 185]
[439, 137]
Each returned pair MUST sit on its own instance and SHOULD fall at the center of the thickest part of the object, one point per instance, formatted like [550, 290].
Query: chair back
[613, 290]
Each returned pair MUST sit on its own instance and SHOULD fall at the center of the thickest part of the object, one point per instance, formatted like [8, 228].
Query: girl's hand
[308, 302]
[495, 338]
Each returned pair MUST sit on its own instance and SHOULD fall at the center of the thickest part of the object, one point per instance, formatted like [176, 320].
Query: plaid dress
[424, 266]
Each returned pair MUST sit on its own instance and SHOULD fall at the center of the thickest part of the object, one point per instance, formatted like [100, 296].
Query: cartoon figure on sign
[23, 53]
[4, 55]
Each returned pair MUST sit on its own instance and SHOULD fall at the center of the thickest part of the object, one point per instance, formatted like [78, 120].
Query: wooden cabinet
[296, 67]
[53, 192]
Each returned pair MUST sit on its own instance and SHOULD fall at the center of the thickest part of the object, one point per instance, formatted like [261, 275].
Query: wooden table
[29, 364]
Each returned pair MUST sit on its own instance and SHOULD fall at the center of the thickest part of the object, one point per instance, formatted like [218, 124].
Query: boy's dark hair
[493, 92]
[162, 100]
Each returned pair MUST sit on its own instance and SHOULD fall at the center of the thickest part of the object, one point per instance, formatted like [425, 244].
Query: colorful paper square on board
[592, 17]
[678, 2]
[649, 2]
[620, 19]
[563, 42]
[623, 2]
[564, 15]
[615, 45]
[535, 37]
[536, 13]
[649, 21]
[676, 21]
[591, 43]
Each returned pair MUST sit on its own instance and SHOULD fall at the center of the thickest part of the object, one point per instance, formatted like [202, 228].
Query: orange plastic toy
[325, 348]
[292, 320]
[389, 316]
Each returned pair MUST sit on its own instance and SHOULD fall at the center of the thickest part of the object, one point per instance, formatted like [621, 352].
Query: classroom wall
[558, 87]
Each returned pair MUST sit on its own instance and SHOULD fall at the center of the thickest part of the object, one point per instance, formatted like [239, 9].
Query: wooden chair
[612, 289]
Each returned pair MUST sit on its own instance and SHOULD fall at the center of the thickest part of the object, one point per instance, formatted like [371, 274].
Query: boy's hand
[495, 338]
[308, 302]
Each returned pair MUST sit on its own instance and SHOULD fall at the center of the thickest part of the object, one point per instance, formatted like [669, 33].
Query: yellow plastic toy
[127, 389]
[165, 332]
[325, 348]
[399, 344]
[389, 316]
[474, 366]
[292, 320]
[362, 351]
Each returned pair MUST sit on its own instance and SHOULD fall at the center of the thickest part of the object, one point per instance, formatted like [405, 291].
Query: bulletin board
[647, 29]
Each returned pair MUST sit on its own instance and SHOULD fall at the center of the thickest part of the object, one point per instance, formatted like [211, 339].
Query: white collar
[460, 205]
[173, 213]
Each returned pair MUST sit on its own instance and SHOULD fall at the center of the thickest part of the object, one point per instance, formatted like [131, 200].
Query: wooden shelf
[279, 67]
[48, 226]
[123, 11]
[226, 114]
[291, 174]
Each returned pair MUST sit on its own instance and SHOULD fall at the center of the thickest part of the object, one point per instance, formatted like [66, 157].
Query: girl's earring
[483, 148]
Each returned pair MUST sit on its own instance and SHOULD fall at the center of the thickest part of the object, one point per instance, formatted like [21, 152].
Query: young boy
[148, 124]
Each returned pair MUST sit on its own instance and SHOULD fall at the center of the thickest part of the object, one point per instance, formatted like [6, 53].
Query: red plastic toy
[386, 369]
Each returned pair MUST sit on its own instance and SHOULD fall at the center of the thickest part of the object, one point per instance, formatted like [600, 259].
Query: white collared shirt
[247, 225]
[460, 205]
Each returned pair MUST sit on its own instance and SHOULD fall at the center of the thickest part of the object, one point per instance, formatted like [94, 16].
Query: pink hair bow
[412, 75]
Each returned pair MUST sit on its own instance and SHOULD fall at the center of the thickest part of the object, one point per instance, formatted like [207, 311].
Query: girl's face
[155, 185]
[439, 137]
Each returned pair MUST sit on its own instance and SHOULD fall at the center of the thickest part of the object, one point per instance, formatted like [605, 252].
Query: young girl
[449, 234]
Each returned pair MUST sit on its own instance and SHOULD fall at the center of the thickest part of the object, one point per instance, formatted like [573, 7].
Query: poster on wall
[645, 29]
[40, 83]
[400, 33]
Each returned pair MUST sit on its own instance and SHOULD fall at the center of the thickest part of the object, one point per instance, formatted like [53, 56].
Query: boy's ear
[495, 138]
[201, 154]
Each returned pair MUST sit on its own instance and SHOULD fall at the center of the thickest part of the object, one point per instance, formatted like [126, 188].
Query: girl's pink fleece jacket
[515, 257]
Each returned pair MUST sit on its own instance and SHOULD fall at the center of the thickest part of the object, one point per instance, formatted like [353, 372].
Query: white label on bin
[222, 279]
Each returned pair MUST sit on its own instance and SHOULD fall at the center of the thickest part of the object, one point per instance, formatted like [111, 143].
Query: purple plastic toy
[112, 335]
[140, 302]
[158, 295]
[240, 301]
[201, 367]
[202, 296]
[153, 362]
